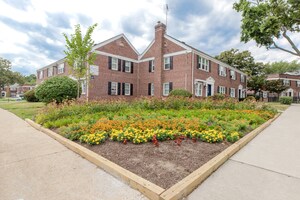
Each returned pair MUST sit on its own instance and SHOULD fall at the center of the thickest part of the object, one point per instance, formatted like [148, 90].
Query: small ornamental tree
[57, 89]
[79, 55]
[30, 96]
[275, 86]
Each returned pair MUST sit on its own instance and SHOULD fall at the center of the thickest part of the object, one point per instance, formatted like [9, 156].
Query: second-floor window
[242, 78]
[286, 82]
[168, 63]
[203, 63]
[50, 72]
[222, 71]
[60, 68]
[151, 66]
[114, 63]
[41, 75]
[232, 74]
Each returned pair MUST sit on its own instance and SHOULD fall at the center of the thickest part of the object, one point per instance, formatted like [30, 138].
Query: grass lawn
[22, 109]
[278, 106]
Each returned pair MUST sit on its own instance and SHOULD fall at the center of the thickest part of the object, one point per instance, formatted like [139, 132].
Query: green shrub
[218, 96]
[180, 93]
[286, 100]
[30, 96]
[57, 89]
[250, 99]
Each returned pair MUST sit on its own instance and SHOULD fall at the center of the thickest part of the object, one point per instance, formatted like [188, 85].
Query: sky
[31, 31]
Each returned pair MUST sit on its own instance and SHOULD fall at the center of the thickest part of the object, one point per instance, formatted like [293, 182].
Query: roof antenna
[166, 9]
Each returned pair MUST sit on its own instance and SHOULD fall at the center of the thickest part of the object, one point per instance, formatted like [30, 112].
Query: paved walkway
[268, 168]
[34, 166]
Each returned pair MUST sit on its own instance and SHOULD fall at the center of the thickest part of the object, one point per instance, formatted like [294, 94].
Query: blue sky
[31, 30]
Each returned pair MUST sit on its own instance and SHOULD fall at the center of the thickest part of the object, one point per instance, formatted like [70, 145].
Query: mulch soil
[163, 165]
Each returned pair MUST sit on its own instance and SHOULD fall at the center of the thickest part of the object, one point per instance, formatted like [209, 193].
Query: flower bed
[154, 120]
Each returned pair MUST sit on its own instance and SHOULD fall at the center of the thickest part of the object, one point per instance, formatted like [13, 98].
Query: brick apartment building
[166, 64]
[292, 80]
[15, 90]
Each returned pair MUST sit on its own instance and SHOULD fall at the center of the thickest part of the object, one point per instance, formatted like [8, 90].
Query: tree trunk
[78, 88]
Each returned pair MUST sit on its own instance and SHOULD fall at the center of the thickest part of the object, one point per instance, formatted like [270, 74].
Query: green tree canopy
[275, 86]
[78, 53]
[282, 67]
[30, 79]
[265, 21]
[241, 60]
[7, 76]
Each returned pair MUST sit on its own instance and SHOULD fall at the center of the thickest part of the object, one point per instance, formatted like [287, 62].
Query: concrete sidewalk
[268, 168]
[34, 166]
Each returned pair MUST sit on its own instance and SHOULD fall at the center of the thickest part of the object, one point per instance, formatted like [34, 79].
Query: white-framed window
[286, 82]
[222, 90]
[61, 68]
[114, 88]
[41, 75]
[232, 74]
[203, 63]
[50, 71]
[167, 63]
[151, 67]
[198, 89]
[127, 66]
[127, 89]
[167, 88]
[222, 71]
[298, 83]
[83, 87]
[94, 70]
[242, 78]
[152, 89]
[114, 63]
[232, 92]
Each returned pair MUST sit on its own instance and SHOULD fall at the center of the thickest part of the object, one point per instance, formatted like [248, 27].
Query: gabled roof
[113, 39]
[188, 47]
[145, 51]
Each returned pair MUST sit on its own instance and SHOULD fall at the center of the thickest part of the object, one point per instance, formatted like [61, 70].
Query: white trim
[177, 53]
[291, 79]
[115, 56]
[199, 53]
[178, 43]
[147, 49]
[101, 44]
[146, 59]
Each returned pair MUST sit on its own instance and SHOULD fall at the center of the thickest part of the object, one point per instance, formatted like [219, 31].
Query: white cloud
[31, 34]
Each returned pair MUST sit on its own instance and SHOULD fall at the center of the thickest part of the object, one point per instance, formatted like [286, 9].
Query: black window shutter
[109, 62]
[132, 67]
[171, 62]
[119, 88]
[131, 89]
[149, 88]
[170, 86]
[123, 88]
[197, 62]
[109, 88]
[209, 66]
[218, 89]
[149, 65]
[123, 69]
[225, 90]
[119, 64]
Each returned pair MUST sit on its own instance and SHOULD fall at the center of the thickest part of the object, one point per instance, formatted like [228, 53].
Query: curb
[147, 188]
[150, 190]
[189, 183]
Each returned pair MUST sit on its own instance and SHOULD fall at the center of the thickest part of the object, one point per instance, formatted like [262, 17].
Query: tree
[78, 54]
[256, 83]
[265, 21]
[282, 67]
[30, 79]
[275, 86]
[241, 60]
[5, 72]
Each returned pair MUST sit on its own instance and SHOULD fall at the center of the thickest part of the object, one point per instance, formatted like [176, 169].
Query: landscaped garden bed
[160, 140]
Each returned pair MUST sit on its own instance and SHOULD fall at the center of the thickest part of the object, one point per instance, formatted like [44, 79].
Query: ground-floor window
[167, 88]
[232, 92]
[198, 89]
[222, 90]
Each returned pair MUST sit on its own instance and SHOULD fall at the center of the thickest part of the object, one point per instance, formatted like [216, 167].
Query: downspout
[193, 73]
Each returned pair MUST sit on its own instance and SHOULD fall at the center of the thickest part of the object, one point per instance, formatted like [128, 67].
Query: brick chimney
[160, 30]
